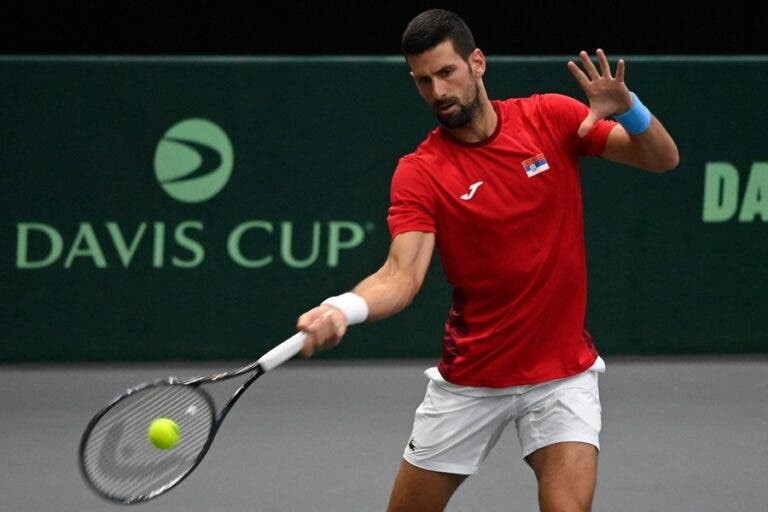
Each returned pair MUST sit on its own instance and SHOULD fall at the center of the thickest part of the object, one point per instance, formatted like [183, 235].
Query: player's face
[447, 83]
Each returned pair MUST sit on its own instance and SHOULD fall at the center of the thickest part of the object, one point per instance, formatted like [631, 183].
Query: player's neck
[481, 128]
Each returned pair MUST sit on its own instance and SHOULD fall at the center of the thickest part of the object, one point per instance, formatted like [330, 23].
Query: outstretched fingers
[578, 74]
[592, 73]
[589, 66]
[620, 71]
[605, 68]
[607, 94]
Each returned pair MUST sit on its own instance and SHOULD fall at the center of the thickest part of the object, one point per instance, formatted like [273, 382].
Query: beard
[463, 115]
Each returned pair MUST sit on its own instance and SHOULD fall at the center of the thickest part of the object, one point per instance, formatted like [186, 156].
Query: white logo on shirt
[472, 189]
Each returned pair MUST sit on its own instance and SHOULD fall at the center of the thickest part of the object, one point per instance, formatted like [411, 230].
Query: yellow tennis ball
[163, 433]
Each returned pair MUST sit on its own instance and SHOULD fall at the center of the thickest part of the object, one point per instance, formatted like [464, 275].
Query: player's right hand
[324, 325]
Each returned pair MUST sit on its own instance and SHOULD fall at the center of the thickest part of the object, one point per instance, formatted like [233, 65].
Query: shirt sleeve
[412, 204]
[565, 115]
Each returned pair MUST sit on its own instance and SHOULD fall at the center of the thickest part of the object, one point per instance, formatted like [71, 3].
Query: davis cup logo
[194, 160]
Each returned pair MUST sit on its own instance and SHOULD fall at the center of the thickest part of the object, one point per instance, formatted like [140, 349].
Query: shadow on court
[678, 435]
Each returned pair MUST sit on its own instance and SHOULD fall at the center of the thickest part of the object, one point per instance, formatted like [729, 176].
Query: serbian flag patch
[535, 165]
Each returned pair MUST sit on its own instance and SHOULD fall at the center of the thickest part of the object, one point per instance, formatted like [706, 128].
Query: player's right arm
[387, 291]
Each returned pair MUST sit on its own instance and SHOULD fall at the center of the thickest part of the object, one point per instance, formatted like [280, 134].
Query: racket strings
[118, 457]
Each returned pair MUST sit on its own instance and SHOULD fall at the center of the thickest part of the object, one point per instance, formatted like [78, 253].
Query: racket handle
[282, 352]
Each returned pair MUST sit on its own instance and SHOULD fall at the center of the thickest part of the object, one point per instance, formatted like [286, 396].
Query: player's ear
[477, 62]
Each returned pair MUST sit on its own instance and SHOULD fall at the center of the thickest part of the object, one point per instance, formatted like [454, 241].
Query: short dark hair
[432, 27]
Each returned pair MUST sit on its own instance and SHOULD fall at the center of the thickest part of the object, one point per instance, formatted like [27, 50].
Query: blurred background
[179, 176]
[544, 27]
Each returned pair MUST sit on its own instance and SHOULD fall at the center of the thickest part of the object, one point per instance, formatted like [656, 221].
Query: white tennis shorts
[456, 427]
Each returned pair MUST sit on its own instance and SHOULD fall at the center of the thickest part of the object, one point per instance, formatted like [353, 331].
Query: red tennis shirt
[507, 216]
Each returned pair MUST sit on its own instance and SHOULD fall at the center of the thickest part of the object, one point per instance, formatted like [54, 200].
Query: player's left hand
[607, 94]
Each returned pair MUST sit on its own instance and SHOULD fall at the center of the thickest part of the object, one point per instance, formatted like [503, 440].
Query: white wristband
[353, 306]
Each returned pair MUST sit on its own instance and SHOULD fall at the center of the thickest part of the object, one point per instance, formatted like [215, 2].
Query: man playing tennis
[496, 187]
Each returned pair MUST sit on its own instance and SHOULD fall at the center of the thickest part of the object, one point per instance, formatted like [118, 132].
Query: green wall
[100, 261]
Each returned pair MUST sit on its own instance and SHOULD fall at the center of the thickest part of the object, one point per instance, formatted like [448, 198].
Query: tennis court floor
[678, 435]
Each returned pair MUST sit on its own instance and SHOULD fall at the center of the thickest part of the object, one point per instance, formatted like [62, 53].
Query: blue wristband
[637, 119]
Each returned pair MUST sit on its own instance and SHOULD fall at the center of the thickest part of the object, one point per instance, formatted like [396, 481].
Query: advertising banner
[190, 208]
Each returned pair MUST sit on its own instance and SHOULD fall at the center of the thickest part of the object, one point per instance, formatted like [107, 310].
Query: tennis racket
[118, 461]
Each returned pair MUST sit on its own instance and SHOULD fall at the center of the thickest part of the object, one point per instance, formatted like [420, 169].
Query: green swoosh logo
[194, 160]
[211, 159]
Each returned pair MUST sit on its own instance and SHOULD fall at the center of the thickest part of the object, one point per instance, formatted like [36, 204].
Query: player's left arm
[640, 139]
[653, 150]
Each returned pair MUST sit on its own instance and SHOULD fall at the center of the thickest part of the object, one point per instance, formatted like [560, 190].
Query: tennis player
[496, 188]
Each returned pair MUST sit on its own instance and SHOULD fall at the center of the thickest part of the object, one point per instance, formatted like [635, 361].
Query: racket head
[118, 461]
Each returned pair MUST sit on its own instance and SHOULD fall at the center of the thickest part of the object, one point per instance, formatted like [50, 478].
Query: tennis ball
[163, 433]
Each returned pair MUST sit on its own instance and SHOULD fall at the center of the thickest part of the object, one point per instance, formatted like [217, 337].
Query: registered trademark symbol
[370, 226]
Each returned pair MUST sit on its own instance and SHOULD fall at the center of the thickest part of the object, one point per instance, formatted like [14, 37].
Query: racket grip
[282, 352]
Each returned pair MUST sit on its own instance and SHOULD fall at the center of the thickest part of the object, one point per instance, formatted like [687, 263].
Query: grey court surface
[678, 435]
